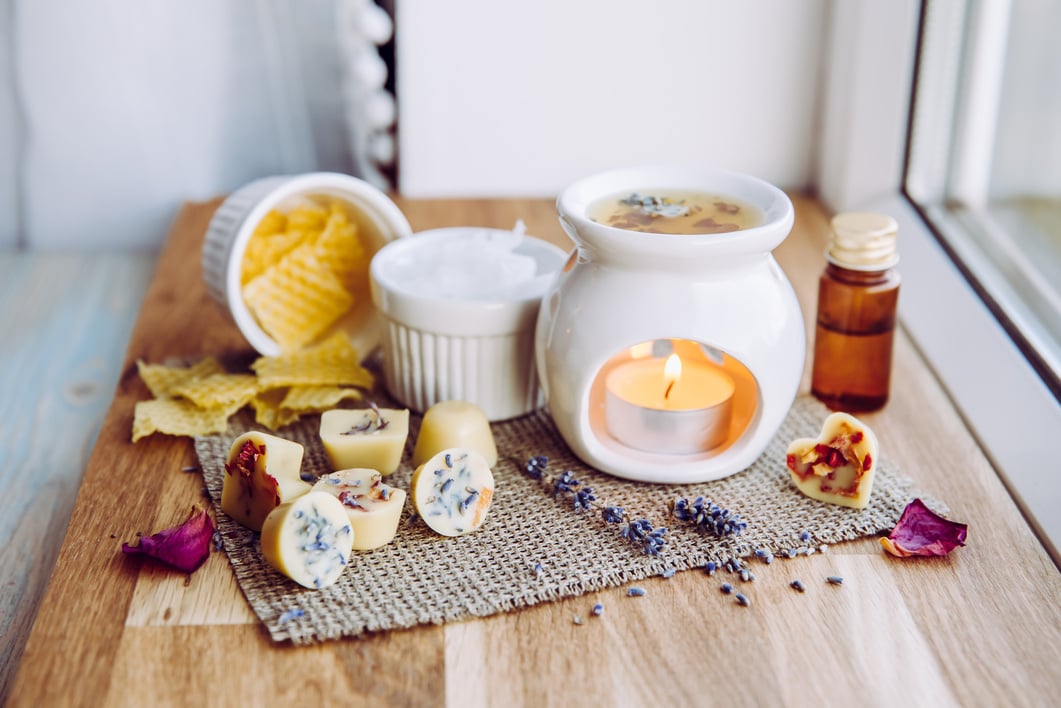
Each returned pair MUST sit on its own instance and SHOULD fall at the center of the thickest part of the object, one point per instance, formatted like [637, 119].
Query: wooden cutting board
[982, 626]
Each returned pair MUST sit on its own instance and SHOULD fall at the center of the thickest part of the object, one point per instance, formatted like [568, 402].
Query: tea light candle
[668, 406]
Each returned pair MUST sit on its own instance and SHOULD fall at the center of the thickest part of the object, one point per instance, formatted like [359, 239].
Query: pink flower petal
[922, 532]
[185, 547]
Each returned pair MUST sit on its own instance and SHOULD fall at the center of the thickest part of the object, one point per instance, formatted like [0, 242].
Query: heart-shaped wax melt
[836, 467]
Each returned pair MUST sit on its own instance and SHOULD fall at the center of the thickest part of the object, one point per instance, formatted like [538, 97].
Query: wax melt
[454, 424]
[261, 473]
[838, 466]
[370, 438]
[374, 508]
[452, 491]
[308, 540]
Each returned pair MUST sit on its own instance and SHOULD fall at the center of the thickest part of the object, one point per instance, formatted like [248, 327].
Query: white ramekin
[379, 222]
[480, 351]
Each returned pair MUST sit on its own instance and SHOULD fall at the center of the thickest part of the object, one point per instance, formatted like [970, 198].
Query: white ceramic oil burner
[671, 357]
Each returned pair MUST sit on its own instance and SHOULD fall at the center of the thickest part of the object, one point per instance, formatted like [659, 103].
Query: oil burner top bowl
[671, 357]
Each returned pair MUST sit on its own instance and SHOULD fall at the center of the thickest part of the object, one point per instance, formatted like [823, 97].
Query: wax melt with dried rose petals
[837, 467]
[923, 532]
[184, 547]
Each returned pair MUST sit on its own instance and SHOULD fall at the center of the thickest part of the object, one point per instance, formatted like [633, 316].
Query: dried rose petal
[922, 532]
[185, 547]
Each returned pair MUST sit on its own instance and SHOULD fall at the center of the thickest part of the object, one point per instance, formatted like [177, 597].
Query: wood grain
[66, 322]
[980, 627]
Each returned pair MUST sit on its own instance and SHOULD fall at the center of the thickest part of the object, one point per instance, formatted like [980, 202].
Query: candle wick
[666, 394]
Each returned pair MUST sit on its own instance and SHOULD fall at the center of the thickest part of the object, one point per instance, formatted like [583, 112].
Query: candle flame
[672, 371]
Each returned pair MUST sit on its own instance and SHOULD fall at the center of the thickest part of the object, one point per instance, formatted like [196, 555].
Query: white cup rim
[457, 317]
[373, 202]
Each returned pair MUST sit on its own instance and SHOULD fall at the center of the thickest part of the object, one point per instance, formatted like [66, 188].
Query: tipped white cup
[379, 222]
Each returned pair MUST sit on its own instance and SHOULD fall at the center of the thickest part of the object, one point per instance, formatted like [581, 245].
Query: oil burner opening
[672, 399]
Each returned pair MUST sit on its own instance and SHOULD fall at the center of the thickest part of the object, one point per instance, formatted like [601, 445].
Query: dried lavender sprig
[641, 533]
[535, 466]
[705, 514]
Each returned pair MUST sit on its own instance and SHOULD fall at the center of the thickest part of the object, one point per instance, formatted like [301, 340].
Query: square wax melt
[371, 438]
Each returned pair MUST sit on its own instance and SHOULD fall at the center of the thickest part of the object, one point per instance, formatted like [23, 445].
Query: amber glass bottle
[857, 298]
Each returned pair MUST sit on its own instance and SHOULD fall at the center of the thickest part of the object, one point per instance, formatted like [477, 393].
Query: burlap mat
[533, 547]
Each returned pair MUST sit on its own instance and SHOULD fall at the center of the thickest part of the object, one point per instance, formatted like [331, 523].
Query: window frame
[1009, 409]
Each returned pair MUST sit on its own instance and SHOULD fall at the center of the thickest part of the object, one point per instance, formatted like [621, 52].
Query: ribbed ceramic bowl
[476, 350]
[379, 222]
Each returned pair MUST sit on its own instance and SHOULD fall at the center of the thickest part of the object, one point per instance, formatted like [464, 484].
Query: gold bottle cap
[863, 241]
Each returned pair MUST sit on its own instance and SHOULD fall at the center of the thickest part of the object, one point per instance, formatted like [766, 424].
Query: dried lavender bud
[635, 592]
[598, 610]
[641, 533]
[726, 588]
[583, 498]
[742, 600]
[798, 585]
[536, 466]
[293, 613]
[566, 482]
[835, 580]
[656, 206]
[369, 425]
[613, 514]
[710, 567]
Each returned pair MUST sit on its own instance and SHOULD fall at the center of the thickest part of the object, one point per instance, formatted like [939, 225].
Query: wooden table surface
[980, 627]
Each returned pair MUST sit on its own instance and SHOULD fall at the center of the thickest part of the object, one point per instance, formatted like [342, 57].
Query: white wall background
[114, 111]
[499, 98]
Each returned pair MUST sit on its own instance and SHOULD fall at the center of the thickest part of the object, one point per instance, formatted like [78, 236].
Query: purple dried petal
[922, 532]
[185, 547]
